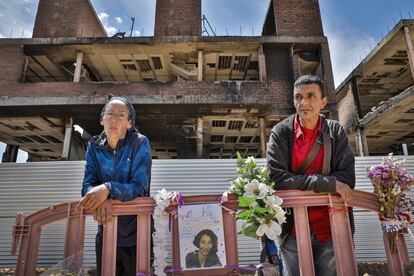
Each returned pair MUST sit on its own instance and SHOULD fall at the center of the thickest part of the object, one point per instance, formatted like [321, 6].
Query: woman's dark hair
[131, 109]
[209, 233]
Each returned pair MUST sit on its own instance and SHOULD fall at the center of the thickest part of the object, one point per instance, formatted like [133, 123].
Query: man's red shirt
[303, 141]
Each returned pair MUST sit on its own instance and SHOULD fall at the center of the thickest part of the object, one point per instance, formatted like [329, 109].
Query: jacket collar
[289, 123]
[101, 141]
[298, 129]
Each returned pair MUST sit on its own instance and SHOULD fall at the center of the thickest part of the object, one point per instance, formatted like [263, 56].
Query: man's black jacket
[279, 164]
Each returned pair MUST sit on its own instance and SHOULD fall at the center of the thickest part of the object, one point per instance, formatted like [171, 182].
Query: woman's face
[116, 120]
[206, 244]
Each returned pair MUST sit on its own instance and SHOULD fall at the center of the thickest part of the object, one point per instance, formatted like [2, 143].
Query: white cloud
[347, 50]
[348, 43]
[118, 20]
[110, 30]
[136, 33]
[103, 16]
[17, 18]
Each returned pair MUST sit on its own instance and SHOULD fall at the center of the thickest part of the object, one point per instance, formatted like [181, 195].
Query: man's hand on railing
[343, 190]
[94, 198]
[103, 214]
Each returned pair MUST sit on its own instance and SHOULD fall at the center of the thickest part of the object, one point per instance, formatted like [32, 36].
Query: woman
[206, 255]
[118, 166]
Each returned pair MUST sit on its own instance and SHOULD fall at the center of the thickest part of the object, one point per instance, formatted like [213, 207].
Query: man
[308, 152]
[118, 166]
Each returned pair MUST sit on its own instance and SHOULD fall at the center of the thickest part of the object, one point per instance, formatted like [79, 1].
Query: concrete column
[295, 64]
[405, 149]
[410, 51]
[68, 137]
[262, 65]
[357, 100]
[10, 154]
[327, 76]
[262, 128]
[199, 138]
[78, 68]
[200, 65]
[362, 145]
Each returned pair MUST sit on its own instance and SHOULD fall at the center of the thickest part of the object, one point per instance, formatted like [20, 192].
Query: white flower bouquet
[262, 213]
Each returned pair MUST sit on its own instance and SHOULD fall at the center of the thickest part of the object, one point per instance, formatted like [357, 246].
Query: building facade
[196, 96]
[376, 101]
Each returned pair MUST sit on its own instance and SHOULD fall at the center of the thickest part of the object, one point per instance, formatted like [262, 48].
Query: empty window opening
[219, 123]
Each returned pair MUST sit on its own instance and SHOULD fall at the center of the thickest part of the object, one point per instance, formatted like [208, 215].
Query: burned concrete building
[196, 96]
[376, 101]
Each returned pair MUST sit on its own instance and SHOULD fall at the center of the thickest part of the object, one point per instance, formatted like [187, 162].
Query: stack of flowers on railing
[161, 219]
[390, 182]
[262, 213]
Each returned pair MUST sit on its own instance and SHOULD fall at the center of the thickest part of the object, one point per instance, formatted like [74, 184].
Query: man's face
[116, 120]
[308, 101]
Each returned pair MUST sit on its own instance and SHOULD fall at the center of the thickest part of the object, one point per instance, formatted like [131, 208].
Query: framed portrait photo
[201, 236]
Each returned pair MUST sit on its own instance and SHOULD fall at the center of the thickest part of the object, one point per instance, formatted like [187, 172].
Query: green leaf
[249, 230]
[244, 214]
[245, 201]
[260, 210]
[240, 160]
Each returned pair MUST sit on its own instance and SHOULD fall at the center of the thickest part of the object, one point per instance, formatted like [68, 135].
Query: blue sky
[353, 27]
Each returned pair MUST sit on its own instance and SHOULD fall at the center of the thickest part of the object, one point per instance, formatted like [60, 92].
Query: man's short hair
[310, 79]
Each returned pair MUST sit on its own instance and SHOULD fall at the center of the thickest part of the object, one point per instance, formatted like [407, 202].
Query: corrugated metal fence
[32, 186]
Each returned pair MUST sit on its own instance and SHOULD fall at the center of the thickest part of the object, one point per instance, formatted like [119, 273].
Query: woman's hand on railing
[94, 198]
[343, 190]
[103, 214]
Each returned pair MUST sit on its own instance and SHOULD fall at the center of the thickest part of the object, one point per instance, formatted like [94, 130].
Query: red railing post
[303, 241]
[402, 249]
[395, 264]
[342, 241]
[32, 249]
[74, 239]
[109, 247]
[143, 243]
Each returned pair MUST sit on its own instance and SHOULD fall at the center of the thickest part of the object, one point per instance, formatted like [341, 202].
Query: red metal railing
[26, 233]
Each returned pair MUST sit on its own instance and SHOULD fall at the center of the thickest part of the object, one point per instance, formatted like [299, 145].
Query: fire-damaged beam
[405, 97]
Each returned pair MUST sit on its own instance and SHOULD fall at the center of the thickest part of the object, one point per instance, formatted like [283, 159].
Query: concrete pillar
[357, 100]
[362, 145]
[405, 149]
[262, 65]
[262, 128]
[199, 138]
[68, 138]
[294, 57]
[327, 76]
[327, 72]
[78, 68]
[10, 154]
[410, 50]
[200, 65]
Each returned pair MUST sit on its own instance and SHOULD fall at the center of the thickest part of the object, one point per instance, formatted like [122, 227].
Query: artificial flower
[270, 228]
[256, 189]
